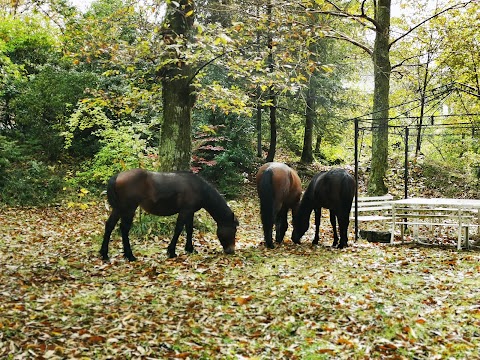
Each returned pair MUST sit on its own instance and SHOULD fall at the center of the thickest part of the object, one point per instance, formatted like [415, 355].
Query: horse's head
[300, 227]
[226, 233]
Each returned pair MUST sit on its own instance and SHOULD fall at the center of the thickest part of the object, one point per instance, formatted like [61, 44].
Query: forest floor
[59, 300]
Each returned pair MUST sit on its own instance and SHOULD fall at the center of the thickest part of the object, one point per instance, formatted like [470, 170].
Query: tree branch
[453, 7]
[200, 68]
[341, 13]
[351, 41]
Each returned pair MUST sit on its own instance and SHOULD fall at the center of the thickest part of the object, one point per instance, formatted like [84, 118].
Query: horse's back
[334, 188]
[286, 184]
[128, 187]
[160, 193]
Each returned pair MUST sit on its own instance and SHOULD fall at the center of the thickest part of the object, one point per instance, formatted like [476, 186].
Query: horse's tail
[111, 192]
[266, 194]
[348, 190]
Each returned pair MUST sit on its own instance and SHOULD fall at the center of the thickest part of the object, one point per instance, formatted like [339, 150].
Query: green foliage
[9, 152]
[147, 226]
[28, 42]
[44, 104]
[121, 149]
[31, 183]
[25, 180]
[227, 173]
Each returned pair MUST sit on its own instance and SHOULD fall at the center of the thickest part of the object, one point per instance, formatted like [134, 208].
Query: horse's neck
[306, 206]
[216, 205]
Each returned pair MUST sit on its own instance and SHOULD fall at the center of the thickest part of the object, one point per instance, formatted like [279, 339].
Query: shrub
[31, 183]
[121, 149]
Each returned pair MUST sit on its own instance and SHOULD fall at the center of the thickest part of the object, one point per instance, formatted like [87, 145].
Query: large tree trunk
[382, 69]
[175, 141]
[310, 114]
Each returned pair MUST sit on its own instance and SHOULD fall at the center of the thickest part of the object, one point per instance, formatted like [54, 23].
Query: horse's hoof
[191, 251]
[270, 245]
[171, 255]
[105, 257]
[296, 242]
[130, 258]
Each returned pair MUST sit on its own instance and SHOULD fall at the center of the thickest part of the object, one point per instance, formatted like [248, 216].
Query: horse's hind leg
[125, 227]
[109, 226]
[267, 225]
[343, 222]
[267, 234]
[281, 225]
[333, 221]
[189, 229]
[318, 218]
[178, 229]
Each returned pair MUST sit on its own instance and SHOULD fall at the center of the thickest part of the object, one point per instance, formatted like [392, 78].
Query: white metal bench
[373, 209]
[462, 214]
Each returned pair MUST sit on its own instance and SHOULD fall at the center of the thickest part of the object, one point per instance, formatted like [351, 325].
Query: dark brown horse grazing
[333, 190]
[279, 189]
[165, 194]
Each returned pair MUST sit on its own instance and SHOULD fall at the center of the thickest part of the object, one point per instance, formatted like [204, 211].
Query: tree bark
[175, 139]
[310, 115]
[382, 70]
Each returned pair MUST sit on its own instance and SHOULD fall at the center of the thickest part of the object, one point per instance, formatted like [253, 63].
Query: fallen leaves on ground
[59, 300]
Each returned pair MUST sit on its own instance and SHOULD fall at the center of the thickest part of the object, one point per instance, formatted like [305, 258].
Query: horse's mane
[215, 203]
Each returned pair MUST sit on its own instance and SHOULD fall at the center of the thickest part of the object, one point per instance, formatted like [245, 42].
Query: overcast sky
[81, 4]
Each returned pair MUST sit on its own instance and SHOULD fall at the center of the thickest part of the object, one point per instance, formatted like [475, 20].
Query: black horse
[165, 194]
[333, 190]
[279, 189]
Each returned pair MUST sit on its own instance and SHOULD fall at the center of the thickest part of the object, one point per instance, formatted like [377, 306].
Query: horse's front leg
[318, 217]
[125, 227]
[281, 225]
[178, 229]
[333, 221]
[109, 226]
[189, 228]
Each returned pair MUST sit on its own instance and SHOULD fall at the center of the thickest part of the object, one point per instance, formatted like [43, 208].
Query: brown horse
[333, 190]
[279, 189]
[165, 194]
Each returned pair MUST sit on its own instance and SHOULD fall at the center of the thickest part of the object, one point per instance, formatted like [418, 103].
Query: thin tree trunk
[310, 115]
[382, 69]
[272, 96]
[259, 125]
[423, 92]
[259, 106]
[318, 143]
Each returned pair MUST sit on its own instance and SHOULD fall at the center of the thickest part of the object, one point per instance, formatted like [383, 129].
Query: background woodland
[219, 86]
